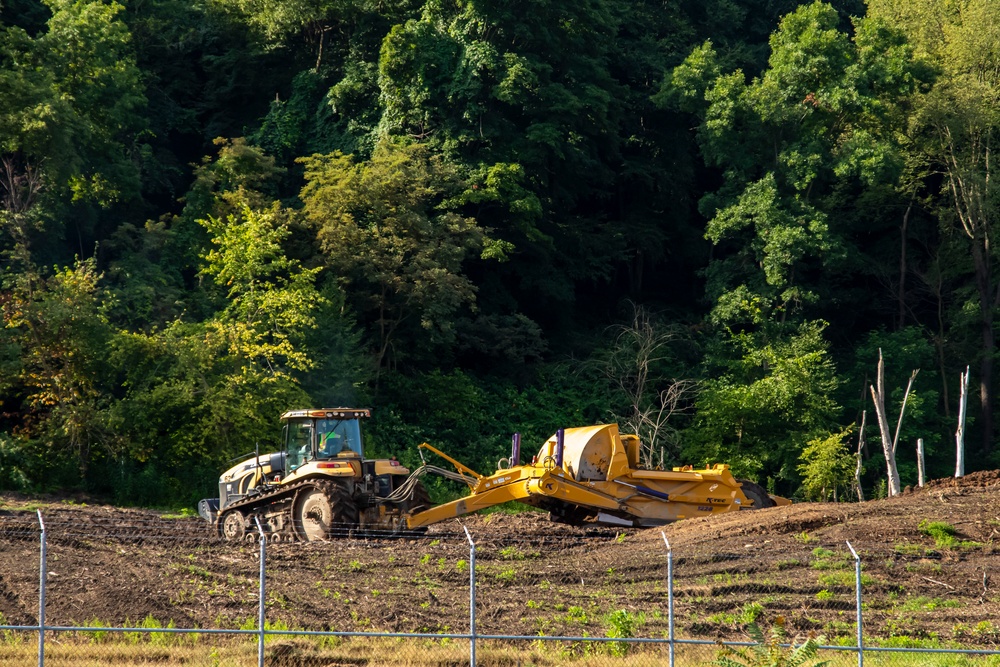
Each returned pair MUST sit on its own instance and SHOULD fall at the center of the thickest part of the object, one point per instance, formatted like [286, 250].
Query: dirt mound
[115, 566]
[980, 479]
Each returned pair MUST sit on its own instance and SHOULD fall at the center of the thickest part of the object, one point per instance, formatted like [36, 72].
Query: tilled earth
[116, 567]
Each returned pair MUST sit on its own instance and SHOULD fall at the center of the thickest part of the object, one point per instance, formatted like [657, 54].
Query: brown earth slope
[117, 566]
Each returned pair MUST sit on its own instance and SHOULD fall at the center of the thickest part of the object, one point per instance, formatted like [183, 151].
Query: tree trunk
[857, 467]
[984, 287]
[920, 462]
[963, 399]
[902, 267]
[902, 408]
[878, 397]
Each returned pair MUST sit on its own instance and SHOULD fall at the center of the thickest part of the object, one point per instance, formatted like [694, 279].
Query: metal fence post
[260, 612]
[42, 572]
[857, 588]
[472, 598]
[670, 598]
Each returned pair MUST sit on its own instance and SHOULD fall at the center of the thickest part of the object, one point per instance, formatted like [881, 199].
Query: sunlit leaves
[271, 298]
[72, 100]
[827, 109]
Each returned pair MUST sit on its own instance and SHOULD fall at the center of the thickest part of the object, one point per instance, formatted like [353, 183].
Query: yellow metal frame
[625, 492]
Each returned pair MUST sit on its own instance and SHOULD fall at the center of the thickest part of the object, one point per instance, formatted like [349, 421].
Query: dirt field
[114, 566]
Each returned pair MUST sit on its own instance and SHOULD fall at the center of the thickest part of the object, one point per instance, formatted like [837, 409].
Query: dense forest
[701, 219]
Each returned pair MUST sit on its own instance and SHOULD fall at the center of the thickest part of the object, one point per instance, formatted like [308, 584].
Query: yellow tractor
[319, 486]
[591, 475]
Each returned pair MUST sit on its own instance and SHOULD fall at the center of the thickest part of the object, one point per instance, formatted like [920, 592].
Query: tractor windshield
[338, 436]
[298, 448]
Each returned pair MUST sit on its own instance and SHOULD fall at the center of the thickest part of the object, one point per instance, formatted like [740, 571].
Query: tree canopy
[705, 221]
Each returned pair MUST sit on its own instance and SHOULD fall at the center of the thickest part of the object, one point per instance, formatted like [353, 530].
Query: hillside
[118, 566]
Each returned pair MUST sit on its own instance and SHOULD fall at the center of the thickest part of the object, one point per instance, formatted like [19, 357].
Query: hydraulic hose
[405, 490]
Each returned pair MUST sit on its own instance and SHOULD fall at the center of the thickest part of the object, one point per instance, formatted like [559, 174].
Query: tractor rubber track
[265, 497]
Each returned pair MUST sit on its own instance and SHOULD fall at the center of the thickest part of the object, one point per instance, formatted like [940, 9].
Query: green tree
[70, 101]
[827, 108]
[387, 231]
[271, 299]
[757, 411]
[827, 465]
[956, 124]
[62, 382]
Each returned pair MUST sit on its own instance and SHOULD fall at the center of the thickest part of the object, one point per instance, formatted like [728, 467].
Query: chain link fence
[450, 598]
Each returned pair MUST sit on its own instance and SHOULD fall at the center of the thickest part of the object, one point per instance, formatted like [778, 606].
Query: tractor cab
[321, 435]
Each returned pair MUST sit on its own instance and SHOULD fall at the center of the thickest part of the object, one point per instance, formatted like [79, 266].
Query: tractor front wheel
[323, 510]
[233, 525]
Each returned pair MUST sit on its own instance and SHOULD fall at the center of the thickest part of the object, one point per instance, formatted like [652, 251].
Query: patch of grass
[749, 613]
[198, 571]
[906, 626]
[944, 535]
[907, 549]
[513, 553]
[844, 578]
[839, 628]
[829, 560]
[923, 567]
[787, 564]
[824, 595]
[506, 575]
[924, 603]
[805, 538]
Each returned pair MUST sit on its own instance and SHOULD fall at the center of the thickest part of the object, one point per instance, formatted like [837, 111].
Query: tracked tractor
[320, 485]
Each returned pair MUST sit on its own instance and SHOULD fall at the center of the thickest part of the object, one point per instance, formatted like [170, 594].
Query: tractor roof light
[328, 413]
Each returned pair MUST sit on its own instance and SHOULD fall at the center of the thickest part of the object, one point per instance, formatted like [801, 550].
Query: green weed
[621, 624]
[907, 549]
[771, 651]
[843, 578]
[944, 535]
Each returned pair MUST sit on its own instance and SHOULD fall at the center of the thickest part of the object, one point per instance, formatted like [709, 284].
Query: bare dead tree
[653, 423]
[889, 445]
[638, 348]
[963, 400]
[857, 466]
[20, 183]
[902, 408]
[920, 463]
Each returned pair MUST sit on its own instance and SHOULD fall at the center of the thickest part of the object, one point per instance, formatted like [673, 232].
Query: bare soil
[117, 567]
